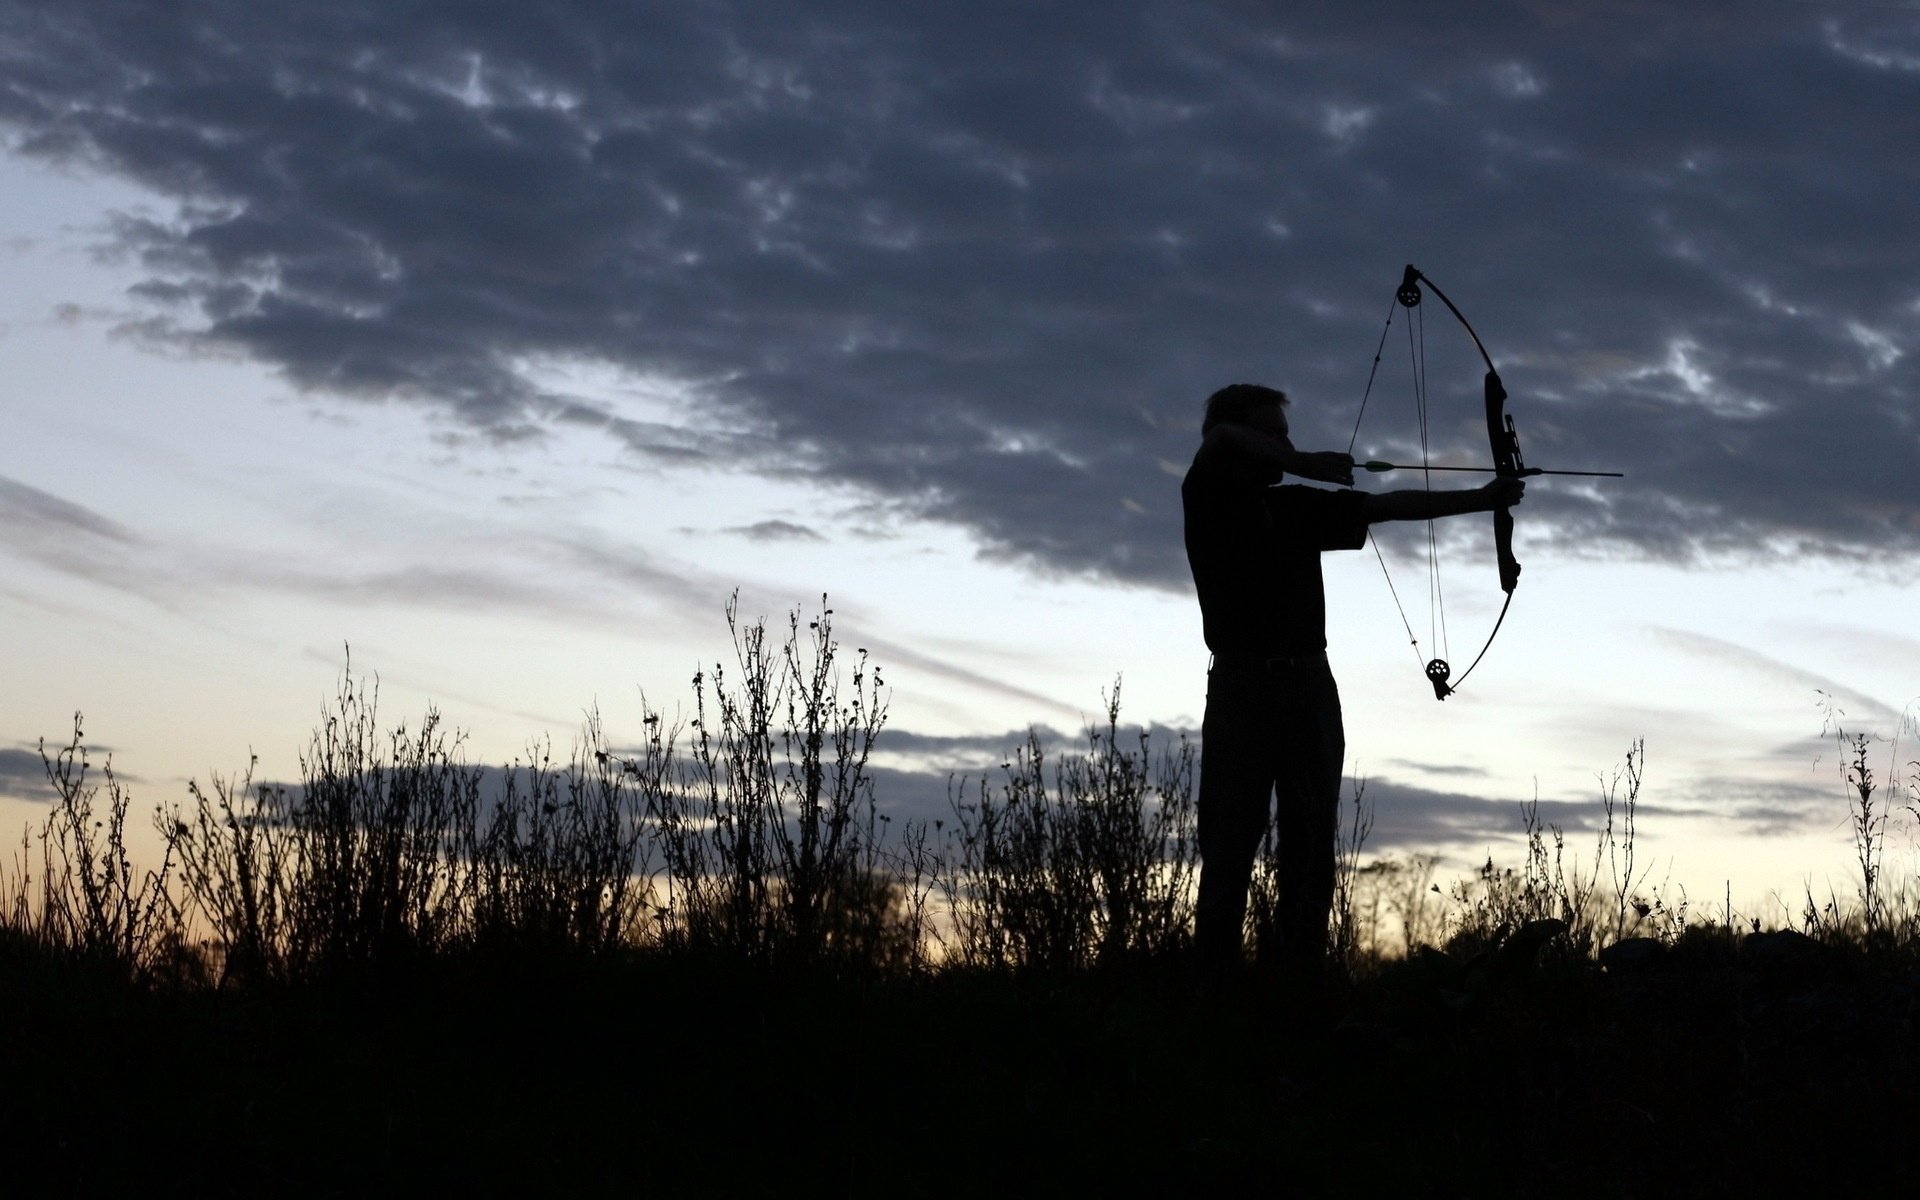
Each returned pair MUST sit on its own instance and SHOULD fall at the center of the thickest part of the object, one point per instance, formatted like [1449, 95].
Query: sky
[496, 345]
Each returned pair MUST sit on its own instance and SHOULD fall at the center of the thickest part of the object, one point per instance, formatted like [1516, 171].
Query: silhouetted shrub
[1096, 869]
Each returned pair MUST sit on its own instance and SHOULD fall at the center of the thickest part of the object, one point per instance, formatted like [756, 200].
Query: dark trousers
[1272, 726]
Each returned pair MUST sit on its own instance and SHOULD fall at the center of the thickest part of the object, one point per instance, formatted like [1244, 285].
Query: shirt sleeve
[1317, 518]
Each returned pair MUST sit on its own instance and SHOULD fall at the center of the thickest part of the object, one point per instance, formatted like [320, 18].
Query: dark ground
[1702, 1074]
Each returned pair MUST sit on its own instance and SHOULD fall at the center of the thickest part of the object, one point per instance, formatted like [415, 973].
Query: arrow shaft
[1376, 467]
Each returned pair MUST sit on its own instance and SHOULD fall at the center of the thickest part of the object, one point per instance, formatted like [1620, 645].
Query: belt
[1247, 662]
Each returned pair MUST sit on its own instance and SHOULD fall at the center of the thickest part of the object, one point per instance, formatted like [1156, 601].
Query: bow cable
[1436, 594]
[1379, 350]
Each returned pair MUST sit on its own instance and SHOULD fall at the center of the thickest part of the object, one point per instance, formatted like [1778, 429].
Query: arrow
[1376, 466]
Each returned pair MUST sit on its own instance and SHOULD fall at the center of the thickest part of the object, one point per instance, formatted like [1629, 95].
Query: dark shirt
[1255, 555]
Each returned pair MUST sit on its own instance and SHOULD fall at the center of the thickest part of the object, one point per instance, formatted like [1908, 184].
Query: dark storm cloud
[984, 259]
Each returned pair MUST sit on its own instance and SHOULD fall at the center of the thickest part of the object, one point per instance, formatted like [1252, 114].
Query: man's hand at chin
[1327, 466]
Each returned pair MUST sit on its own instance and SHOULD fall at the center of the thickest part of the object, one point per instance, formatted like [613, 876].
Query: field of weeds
[713, 963]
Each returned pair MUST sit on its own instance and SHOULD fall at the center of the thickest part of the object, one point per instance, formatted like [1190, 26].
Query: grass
[712, 961]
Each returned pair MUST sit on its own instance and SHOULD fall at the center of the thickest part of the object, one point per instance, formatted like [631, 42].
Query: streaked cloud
[775, 531]
[1861, 707]
[28, 512]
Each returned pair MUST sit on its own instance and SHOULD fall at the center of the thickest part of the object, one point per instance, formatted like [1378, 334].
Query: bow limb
[1410, 284]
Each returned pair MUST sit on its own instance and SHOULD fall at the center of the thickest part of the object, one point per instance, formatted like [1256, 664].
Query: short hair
[1233, 404]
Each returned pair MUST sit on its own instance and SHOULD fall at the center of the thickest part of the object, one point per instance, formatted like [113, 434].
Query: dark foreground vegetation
[709, 965]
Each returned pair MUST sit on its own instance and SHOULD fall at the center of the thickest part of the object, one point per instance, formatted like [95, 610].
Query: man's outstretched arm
[1426, 506]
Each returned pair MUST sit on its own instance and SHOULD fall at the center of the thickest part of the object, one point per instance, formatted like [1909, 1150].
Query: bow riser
[1504, 441]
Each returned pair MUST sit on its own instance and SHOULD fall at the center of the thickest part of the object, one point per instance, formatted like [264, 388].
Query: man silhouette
[1273, 712]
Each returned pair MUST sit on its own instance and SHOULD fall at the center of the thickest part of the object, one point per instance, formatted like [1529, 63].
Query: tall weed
[1095, 867]
[90, 899]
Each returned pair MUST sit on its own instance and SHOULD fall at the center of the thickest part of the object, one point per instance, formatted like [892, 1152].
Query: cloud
[1406, 818]
[1764, 809]
[22, 775]
[464, 570]
[1857, 705]
[74, 540]
[775, 531]
[1410, 818]
[978, 750]
[1437, 768]
[984, 261]
[29, 512]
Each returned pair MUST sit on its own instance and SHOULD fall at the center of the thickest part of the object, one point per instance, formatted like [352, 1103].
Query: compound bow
[1504, 444]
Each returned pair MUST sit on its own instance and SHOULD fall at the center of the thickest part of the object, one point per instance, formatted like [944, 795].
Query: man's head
[1248, 404]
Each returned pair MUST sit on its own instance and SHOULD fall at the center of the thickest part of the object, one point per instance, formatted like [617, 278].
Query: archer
[1273, 711]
